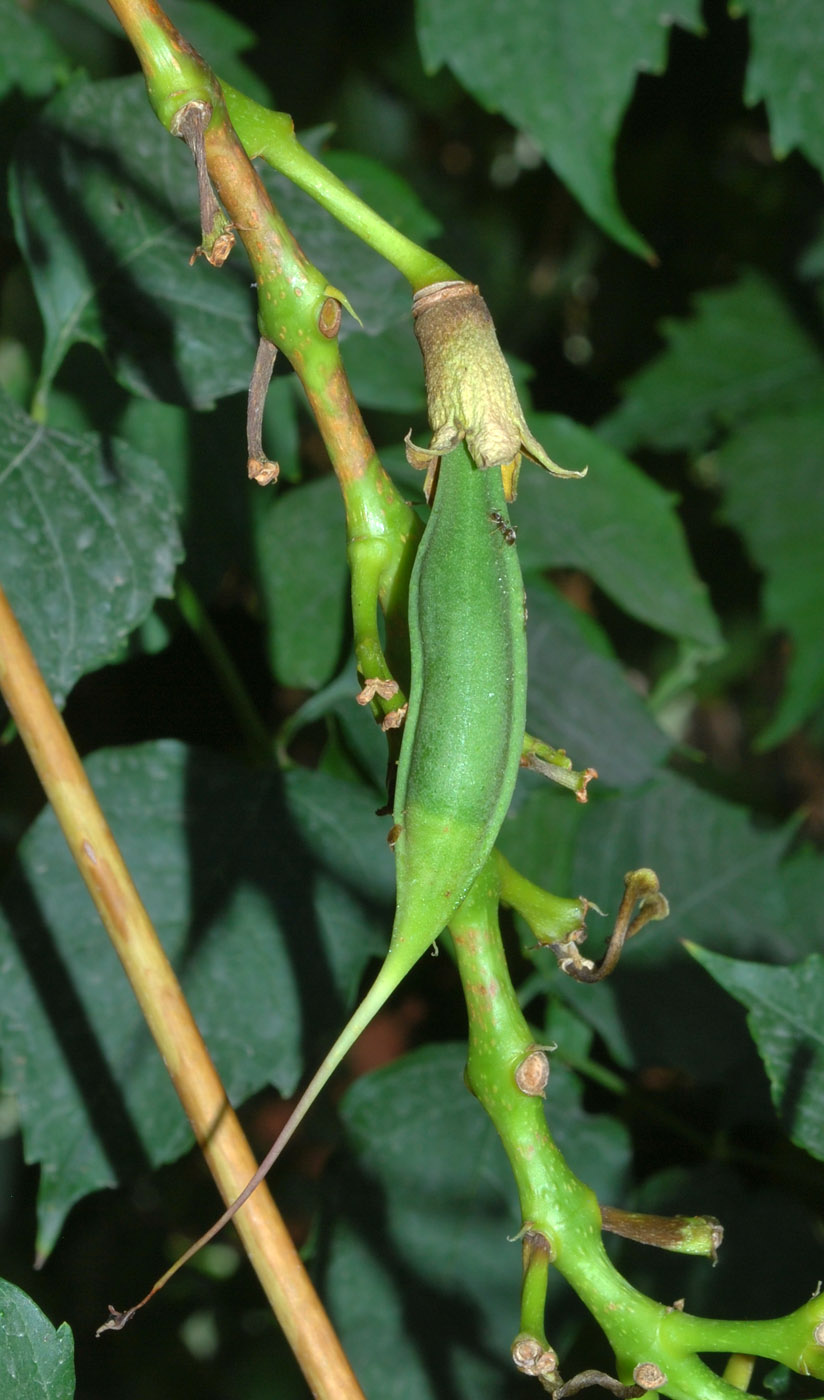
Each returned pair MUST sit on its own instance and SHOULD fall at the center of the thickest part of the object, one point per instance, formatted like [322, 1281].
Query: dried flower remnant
[469, 388]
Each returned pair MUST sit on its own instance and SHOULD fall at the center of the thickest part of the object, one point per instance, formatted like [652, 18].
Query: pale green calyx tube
[470, 393]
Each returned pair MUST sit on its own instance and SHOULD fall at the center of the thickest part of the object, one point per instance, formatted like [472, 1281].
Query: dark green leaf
[578, 700]
[36, 1362]
[722, 878]
[30, 59]
[802, 877]
[786, 1018]
[618, 526]
[718, 871]
[742, 353]
[304, 583]
[385, 370]
[784, 70]
[105, 205]
[255, 887]
[564, 73]
[362, 741]
[421, 1278]
[88, 540]
[771, 472]
[540, 807]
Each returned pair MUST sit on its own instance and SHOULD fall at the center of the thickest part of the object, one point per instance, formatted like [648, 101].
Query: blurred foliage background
[679, 317]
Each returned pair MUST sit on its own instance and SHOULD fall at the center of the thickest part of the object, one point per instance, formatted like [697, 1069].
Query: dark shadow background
[696, 177]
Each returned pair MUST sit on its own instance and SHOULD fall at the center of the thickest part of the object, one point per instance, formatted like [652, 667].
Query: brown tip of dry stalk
[117, 1320]
[531, 1357]
[649, 1376]
[261, 470]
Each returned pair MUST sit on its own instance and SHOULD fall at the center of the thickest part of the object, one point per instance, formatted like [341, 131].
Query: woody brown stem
[158, 992]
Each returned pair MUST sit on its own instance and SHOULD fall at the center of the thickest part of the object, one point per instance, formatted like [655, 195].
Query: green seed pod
[464, 728]
[462, 741]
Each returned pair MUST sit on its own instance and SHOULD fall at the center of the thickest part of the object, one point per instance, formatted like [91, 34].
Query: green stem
[559, 1207]
[551, 918]
[299, 314]
[271, 136]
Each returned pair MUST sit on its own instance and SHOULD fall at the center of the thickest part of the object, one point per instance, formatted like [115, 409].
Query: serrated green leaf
[30, 58]
[785, 1015]
[257, 887]
[88, 540]
[301, 547]
[423, 1238]
[784, 70]
[740, 354]
[616, 525]
[771, 471]
[564, 73]
[580, 701]
[36, 1361]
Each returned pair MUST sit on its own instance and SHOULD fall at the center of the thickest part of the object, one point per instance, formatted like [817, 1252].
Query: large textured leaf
[578, 697]
[257, 887]
[88, 540]
[563, 72]
[105, 206]
[784, 69]
[740, 354]
[786, 1018]
[421, 1278]
[772, 473]
[36, 1362]
[618, 526]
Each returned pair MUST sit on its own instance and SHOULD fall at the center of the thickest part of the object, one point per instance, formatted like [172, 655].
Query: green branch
[649, 1340]
[271, 136]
